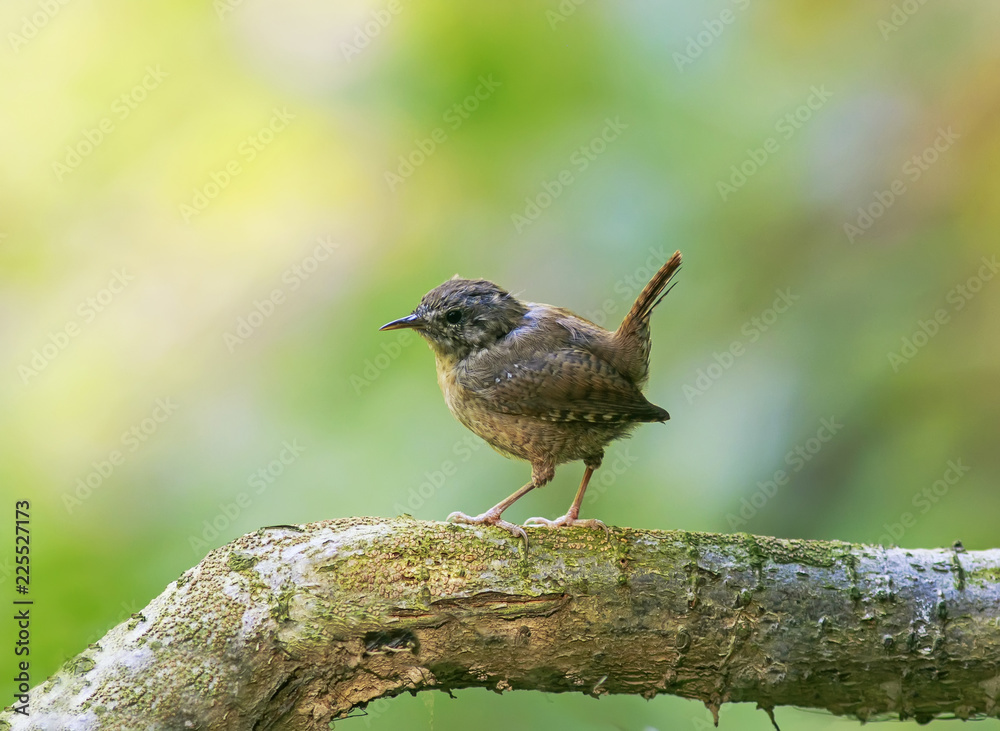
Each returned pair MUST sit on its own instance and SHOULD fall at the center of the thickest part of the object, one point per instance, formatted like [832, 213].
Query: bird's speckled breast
[460, 400]
[522, 437]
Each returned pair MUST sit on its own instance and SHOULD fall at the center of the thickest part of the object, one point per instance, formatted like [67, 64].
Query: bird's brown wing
[565, 385]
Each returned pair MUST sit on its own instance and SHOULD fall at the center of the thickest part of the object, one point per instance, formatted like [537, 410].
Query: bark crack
[293, 627]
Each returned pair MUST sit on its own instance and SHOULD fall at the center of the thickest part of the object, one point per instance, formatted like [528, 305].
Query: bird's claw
[489, 518]
[566, 521]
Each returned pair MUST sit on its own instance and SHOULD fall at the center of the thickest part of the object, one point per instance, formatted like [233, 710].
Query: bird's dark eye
[453, 316]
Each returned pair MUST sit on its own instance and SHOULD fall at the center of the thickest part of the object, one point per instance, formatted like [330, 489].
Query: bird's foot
[567, 521]
[489, 518]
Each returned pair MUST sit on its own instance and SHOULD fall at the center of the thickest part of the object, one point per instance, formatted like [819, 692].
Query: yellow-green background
[368, 445]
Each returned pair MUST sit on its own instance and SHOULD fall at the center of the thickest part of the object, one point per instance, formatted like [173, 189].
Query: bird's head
[462, 316]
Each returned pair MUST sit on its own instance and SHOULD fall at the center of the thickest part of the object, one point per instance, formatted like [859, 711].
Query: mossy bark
[291, 627]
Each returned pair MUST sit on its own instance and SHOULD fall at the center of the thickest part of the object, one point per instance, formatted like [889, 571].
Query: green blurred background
[206, 212]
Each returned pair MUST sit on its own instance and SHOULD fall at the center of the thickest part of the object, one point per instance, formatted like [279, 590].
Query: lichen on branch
[292, 627]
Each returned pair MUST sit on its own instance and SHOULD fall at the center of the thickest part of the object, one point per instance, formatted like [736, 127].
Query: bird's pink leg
[571, 519]
[492, 516]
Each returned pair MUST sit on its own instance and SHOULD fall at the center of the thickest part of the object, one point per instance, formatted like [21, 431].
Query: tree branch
[290, 627]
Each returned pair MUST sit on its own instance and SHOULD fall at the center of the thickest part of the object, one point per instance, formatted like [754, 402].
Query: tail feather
[631, 352]
[637, 318]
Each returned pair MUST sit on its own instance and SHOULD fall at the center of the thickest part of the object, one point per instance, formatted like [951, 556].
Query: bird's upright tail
[636, 322]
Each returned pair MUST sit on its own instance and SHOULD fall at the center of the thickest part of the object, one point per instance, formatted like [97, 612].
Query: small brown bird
[537, 382]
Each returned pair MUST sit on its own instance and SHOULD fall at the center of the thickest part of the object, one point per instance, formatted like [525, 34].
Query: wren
[537, 382]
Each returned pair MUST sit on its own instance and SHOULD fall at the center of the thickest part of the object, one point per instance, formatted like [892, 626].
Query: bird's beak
[411, 321]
